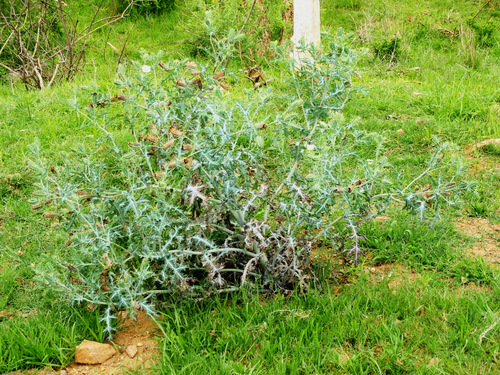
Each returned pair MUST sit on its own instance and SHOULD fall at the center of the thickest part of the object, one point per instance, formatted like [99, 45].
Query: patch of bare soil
[487, 236]
[481, 163]
[468, 287]
[136, 349]
[482, 166]
[395, 274]
[135, 337]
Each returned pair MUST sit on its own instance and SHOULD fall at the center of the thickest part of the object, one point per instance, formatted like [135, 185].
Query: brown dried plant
[42, 44]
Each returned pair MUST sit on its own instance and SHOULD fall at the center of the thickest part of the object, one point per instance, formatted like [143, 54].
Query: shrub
[145, 7]
[262, 23]
[211, 195]
[41, 43]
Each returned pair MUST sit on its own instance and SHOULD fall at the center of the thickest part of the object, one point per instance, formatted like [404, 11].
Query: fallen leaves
[175, 131]
[168, 144]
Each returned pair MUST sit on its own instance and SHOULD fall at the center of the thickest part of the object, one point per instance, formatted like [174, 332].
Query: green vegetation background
[429, 68]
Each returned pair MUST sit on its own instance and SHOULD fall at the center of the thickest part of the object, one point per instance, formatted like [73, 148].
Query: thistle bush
[208, 193]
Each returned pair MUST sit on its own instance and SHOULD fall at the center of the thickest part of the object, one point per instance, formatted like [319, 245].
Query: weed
[469, 49]
[189, 205]
[388, 50]
[428, 324]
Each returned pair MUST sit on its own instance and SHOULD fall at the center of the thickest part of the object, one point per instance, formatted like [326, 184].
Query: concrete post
[306, 25]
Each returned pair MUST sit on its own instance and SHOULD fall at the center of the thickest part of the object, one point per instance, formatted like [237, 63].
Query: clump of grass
[349, 4]
[13, 184]
[479, 208]
[482, 204]
[388, 50]
[491, 149]
[39, 340]
[469, 50]
[485, 31]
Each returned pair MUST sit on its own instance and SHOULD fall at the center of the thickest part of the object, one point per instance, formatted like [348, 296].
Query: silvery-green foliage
[210, 193]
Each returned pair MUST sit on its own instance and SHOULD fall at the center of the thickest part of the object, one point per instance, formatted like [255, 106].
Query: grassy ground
[418, 304]
[402, 323]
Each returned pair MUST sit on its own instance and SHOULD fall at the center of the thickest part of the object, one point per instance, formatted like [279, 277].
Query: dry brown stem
[44, 45]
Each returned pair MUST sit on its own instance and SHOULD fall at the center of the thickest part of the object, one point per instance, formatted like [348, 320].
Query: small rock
[373, 269]
[131, 351]
[93, 353]
[400, 131]
[139, 344]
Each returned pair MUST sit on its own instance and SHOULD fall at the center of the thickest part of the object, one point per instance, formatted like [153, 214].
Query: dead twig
[36, 52]
[480, 10]
[123, 47]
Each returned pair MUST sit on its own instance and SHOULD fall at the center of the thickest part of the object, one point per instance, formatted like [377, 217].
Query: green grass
[404, 240]
[45, 338]
[439, 84]
[420, 327]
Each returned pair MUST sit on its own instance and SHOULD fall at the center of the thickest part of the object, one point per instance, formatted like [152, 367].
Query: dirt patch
[487, 236]
[395, 274]
[472, 288]
[482, 165]
[139, 335]
[481, 162]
